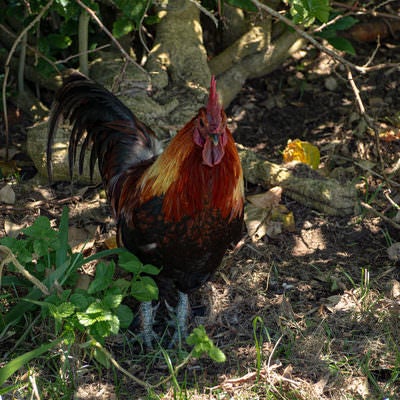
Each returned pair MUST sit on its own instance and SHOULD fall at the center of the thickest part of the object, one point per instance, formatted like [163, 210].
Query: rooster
[179, 209]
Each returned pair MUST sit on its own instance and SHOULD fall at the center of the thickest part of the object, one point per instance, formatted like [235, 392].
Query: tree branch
[314, 42]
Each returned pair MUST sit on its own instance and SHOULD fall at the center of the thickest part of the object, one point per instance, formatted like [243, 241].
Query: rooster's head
[210, 131]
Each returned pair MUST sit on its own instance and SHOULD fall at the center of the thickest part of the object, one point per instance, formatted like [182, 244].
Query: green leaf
[96, 307]
[129, 262]
[102, 329]
[20, 248]
[62, 311]
[40, 248]
[100, 357]
[133, 10]
[216, 354]
[101, 254]
[41, 229]
[62, 3]
[122, 285]
[114, 325]
[203, 344]
[150, 269]
[103, 278]
[321, 10]
[144, 289]
[344, 23]
[18, 362]
[342, 44]
[85, 319]
[198, 336]
[122, 27]
[112, 300]
[63, 248]
[58, 41]
[81, 300]
[125, 315]
[306, 11]
[152, 19]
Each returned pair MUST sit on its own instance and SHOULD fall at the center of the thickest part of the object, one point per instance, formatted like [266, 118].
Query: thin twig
[377, 47]
[140, 27]
[386, 193]
[357, 95]
[380, 215]
[273, 351]
[370, 122]
[35, 389]
[104, 46]
[363, 11]
[205, 11]
[176, 370]
[9, 257]
[318, 45]
[308, 37]
[109, 34]
[7, 67]
[372, 172]
[32, 49]
[331, 22]
[115, 363]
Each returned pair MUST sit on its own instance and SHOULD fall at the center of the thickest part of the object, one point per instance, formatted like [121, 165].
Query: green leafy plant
[317, 12]
[49, 272]
[132, 16]
[330, 33]
[203, 344]
[306, 12]
[44, 258]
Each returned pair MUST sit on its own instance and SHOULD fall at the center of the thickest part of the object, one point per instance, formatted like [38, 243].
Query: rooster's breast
[188, 250]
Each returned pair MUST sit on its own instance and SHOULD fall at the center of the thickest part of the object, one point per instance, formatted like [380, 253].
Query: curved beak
[214, 138]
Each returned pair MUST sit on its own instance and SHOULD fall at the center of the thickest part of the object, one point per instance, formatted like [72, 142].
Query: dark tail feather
[119, 139]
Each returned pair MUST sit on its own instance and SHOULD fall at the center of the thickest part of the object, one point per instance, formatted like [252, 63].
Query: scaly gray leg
[148, 312]
[182, 310]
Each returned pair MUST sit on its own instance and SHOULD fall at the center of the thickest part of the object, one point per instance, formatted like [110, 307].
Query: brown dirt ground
[303, 285]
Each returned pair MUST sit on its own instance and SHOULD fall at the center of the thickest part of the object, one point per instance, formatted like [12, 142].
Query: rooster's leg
[182, 310]
[148, 312]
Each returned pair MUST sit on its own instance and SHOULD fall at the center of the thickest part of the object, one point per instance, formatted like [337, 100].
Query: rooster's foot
[148, 312]
[179, 318]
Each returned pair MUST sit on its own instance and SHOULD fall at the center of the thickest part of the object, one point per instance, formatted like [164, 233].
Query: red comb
[213, 106]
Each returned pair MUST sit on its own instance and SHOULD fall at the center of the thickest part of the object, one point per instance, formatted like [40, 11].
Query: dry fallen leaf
[111, 242]
[7, 195]
[83, 282]
[265, 216]
[394, 251]
[282, 214]
[256, 220]
[267, 199]
[274, 229]
[79, 239]
[12, 229]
